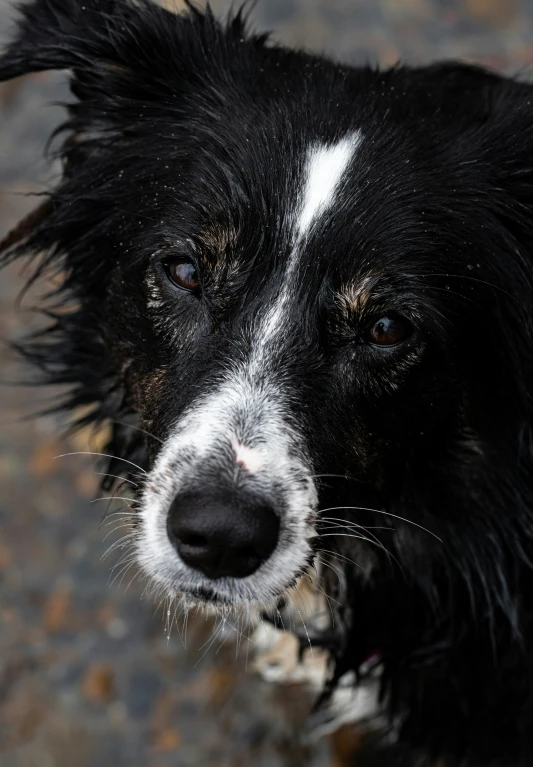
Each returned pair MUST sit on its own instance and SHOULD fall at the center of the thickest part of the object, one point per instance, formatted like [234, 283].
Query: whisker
[185, 625]
[223, 635]
[333, 569]
[122, 525]
[127, 556]
[100, 455]
[130, 565]
[304, 603]
[316, 584]
[124, 514]
[122, 571]
[362, 538]
[338, 476]
[213, 639]
[379, 511]
[107, 513]
[339, 556]
[351, 535]
[247, 654]
[118, 544]
[112, 498]
[332, 524]
[210, 637]
[125, 562]
[115, 476]
[137, 428]
[353, 526]
[289, 596]
[281, 619]
[239, 635]
[135, 575]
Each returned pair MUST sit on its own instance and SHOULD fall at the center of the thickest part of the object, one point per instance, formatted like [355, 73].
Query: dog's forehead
[305, 222]
[281, 197]
[332, 177]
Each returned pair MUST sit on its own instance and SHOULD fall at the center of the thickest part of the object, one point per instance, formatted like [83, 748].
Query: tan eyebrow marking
[355, 296]
[219, 247]
[217, 240]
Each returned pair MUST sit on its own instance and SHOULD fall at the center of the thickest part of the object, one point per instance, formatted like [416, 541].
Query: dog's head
[312, 286]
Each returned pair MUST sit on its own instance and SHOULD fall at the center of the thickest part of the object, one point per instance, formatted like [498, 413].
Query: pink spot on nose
[248, 458]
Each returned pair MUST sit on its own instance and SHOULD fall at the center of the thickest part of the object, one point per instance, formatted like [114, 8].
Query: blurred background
[88, 677]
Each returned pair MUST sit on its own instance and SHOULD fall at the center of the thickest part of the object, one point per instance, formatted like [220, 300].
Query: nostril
[247, 552]
[245, 560]
[191, 539]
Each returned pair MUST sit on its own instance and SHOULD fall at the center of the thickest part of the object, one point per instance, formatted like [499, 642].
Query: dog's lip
[206, 595]
[212, 596]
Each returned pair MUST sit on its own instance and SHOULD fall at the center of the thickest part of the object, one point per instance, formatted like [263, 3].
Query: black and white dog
[312, 287]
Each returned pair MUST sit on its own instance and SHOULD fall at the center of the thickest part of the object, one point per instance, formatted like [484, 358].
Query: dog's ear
[131, 61]
[92, 38]
[58, 34]
[128, 58]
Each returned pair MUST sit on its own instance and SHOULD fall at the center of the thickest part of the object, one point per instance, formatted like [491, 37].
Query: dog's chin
[207, 597]
[223, 597]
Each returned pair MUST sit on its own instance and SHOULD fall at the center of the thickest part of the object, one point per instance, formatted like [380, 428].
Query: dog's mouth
[227, 595]
[207, 596]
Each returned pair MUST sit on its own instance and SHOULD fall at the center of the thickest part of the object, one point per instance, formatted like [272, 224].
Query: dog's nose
[220, 538]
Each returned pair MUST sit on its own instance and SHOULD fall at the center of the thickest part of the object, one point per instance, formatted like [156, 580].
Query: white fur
[249, 458]
[246, 422]
[208, 426]
[324, 170]
[326, 166]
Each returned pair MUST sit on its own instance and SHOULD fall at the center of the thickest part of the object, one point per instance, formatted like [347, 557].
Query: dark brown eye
[183, 274]
[389, 330]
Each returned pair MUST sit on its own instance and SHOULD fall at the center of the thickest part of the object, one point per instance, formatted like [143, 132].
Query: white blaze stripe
[326, 166]
[324, 170]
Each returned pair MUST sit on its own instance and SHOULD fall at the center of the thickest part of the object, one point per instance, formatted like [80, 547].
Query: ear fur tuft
[58, 34]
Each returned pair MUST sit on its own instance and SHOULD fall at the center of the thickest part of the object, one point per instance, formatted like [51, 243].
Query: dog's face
[276, 348]
[306, 280]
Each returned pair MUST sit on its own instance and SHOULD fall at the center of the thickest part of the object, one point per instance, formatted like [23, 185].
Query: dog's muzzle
[228, 507]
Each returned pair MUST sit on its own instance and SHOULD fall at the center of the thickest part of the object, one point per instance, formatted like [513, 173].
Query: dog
[310, 288]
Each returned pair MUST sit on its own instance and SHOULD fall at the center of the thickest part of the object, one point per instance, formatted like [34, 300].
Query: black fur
[181, 126]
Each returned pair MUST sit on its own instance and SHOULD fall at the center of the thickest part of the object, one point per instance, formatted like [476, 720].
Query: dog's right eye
[387, 331]
[183, 274]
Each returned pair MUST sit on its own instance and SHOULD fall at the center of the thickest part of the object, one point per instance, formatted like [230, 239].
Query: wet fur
[440, 224]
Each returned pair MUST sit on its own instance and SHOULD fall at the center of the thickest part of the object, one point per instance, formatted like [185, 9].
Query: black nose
[222, 537]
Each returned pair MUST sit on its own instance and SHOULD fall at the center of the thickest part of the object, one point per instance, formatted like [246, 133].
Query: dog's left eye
[183, 274]
[389, 330]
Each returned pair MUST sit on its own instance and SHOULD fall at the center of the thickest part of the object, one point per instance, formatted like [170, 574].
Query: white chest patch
[326, 166]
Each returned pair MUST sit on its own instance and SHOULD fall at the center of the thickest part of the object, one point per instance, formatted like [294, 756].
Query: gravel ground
[88, 677]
